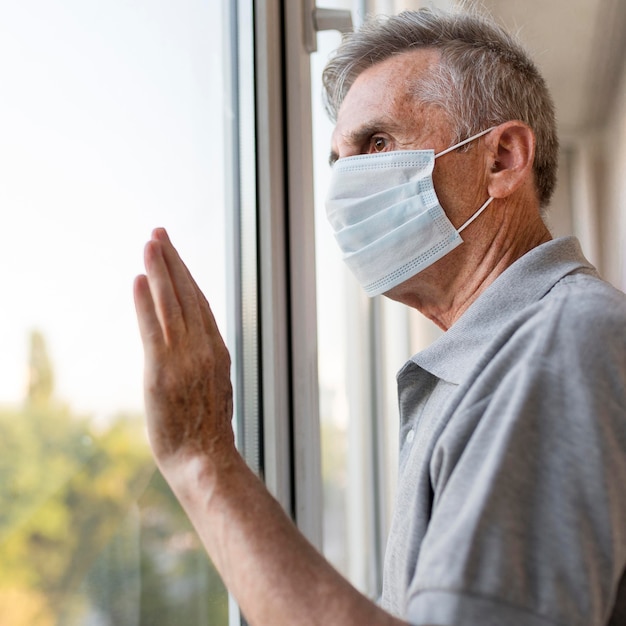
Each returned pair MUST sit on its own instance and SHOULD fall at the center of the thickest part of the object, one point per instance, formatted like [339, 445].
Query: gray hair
[485, 77]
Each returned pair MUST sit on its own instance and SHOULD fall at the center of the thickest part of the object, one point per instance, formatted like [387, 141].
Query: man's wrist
[194, 474]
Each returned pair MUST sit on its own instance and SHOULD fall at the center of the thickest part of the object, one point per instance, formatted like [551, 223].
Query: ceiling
[579, 45]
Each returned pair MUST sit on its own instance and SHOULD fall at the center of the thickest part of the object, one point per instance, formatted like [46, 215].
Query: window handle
[317, 19]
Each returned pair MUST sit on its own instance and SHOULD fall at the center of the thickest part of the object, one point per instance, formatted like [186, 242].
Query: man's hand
[188, 391]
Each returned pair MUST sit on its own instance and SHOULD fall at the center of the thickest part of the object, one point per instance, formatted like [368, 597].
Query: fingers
[167, 305]
[149, 325]
[194, 306]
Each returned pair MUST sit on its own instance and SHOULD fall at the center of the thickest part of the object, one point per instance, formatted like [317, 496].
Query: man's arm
[275, 575]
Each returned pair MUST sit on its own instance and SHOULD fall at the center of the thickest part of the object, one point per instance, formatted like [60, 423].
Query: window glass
[112, 122]
[362, 343]
[331, 285]
[346, 393]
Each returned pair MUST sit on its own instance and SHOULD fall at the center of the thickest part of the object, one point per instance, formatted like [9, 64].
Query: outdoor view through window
[111, 123]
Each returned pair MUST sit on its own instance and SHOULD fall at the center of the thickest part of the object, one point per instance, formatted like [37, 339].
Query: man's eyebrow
[357, 136]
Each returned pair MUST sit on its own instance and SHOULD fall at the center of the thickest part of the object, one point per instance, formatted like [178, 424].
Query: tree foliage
[89, 532]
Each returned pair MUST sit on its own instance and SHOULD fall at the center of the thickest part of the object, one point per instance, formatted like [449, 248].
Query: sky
[111, 123]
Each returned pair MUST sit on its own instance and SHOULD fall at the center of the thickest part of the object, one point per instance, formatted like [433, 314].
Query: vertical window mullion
[242, 230]
[273, 250]
[300, 203]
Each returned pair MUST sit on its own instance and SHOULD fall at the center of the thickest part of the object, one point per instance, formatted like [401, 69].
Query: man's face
[380, 114]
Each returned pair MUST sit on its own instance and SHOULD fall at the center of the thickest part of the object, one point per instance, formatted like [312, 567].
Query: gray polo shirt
[511, 506]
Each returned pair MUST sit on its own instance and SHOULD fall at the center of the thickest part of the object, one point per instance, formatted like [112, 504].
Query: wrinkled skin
[188, 392]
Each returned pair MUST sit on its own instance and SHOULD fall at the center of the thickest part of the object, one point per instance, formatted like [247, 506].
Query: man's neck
[443, 292]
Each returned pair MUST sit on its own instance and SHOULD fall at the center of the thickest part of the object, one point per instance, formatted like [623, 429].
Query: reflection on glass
[111, 124]
[362, 343]
[332, 301]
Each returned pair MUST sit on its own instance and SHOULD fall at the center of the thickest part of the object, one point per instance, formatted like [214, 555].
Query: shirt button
[410, 436]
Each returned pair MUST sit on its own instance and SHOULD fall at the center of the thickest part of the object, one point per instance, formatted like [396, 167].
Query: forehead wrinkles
[381, 96]
[416, 73]
[403, 80]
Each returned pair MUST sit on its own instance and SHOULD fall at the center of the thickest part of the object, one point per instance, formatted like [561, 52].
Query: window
[115, 118]
[362, 343]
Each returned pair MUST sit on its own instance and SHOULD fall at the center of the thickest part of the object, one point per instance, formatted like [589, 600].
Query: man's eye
[378, 144]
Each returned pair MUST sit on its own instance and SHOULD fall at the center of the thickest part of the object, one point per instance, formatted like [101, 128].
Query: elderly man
[511, 504]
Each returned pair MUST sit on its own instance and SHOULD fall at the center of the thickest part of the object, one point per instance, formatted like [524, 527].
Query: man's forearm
[273, 572]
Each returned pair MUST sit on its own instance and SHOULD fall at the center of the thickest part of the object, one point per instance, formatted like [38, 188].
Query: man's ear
[510, 153]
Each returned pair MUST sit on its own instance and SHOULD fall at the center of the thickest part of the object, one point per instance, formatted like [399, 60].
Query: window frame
[291, 435]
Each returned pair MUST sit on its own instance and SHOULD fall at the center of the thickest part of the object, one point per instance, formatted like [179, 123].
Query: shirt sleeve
[528, 523]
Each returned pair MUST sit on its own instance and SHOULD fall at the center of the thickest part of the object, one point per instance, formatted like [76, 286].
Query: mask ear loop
[462, 143]
[471, 219]
[454, 147]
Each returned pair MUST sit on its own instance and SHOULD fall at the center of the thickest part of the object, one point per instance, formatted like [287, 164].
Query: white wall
[612, 178]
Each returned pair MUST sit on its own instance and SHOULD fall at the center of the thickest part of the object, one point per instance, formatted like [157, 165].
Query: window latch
[317, 19]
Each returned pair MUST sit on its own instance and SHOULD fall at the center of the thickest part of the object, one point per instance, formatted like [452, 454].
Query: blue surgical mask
[387, 218]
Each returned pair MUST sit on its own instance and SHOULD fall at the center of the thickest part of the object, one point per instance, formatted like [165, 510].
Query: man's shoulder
[582, 305]
[573, 338]
[575, 332]
[586, 287]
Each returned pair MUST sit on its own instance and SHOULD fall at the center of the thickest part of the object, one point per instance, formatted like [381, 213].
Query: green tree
[87, 525]
[40, 372]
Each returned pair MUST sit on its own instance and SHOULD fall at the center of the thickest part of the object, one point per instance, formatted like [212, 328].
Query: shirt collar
[525, 282]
